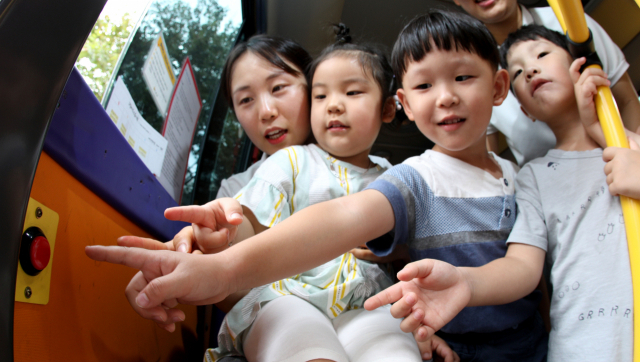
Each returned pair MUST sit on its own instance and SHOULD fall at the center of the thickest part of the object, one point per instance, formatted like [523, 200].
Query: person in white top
[264, 82]
[527, 138]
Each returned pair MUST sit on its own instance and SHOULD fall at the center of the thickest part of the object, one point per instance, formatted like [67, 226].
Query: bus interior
[67, 172]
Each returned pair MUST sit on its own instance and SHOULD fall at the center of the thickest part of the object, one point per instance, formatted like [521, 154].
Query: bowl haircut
[443, 30]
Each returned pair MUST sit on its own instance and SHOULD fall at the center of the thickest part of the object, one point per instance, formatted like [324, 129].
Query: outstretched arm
[305, 240]
[310, 237]
[431, 292]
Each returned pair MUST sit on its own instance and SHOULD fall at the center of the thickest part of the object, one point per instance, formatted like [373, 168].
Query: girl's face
[270, 104]
[346, 109]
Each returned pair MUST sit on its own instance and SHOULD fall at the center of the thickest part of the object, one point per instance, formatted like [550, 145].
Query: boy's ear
[527, 114]
[402, 97]
[500, 87]
[389, 110]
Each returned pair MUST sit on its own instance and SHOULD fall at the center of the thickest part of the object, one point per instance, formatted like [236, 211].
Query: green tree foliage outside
[197, 32]
[100, 53]
[229, 144]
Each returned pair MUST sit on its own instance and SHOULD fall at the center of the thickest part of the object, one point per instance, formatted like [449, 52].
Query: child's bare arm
[623, 170]
[250, 226]
[433, 292]
[306, 239]
[311, 237]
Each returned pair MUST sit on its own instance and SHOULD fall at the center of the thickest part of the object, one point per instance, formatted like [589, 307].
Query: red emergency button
[40, 253]
[35, 251]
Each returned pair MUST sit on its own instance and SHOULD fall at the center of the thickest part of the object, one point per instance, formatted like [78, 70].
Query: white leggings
[288, 329]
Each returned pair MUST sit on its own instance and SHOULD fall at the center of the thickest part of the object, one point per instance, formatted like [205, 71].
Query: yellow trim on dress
[295, 171]
[337, 279]
[346, 179]
[277, 215]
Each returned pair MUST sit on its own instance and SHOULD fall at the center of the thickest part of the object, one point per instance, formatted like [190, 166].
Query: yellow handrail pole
[571, 16]
[574, 22]
[556, 9]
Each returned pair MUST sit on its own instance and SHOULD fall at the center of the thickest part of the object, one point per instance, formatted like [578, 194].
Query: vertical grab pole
[571, 16]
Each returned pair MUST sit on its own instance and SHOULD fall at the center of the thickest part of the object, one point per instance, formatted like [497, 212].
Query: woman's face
[270, 104]
[490, 11]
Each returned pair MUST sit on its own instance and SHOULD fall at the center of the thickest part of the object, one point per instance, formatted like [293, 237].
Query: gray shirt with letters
[565, 208]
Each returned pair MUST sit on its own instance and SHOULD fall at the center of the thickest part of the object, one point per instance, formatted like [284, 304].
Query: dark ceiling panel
[309, 22]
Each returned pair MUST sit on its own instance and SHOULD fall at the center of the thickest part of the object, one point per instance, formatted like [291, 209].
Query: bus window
[204, 31]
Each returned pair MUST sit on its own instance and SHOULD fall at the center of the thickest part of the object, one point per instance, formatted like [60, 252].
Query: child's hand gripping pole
[571, 16]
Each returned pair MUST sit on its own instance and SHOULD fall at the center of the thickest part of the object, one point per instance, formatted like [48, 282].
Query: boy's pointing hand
[429, 295]
[169, 276]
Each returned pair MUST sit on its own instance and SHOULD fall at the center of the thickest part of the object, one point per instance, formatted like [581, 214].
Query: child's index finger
[139, 242]
[574, 69]
[235, 218]
[132, 257]
[191, 214]
[232, 209]
[417, 269]
[387, 296]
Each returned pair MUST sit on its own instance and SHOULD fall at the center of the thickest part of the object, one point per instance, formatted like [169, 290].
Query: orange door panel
[87, 317]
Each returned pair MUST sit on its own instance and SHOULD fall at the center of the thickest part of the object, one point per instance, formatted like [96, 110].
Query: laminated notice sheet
[158, 74]
[143, 138]
[179, 129]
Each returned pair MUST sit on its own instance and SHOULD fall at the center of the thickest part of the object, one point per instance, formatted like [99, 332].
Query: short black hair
[531, 32]
[272, 49]
[446, 30]
[372, 59]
